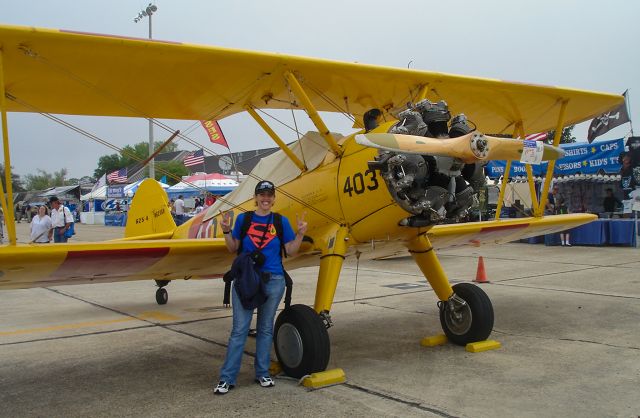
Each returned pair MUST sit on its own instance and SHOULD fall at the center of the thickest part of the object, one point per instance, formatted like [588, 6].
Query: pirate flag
[607, 121]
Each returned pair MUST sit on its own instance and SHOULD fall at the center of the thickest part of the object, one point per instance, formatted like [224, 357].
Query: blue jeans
[264, 338]
[58, 234]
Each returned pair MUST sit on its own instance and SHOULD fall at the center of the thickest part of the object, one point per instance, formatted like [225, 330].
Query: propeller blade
[468, 148]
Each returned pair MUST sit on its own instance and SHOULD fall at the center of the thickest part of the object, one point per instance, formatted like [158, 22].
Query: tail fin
[149, 212]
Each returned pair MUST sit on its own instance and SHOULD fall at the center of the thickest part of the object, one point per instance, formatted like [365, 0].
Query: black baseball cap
[265, 186]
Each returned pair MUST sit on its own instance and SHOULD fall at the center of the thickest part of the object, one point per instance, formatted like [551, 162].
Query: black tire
[301, 341]
[471, 323]
[162, 296]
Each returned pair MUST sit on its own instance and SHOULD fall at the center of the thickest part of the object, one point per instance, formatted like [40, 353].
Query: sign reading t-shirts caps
[579, 158]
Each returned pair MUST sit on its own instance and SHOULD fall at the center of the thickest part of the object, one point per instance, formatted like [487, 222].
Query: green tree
[16, 182]
[129, 155]
[107, 164]
[44, 180]
[567, 136]
[174, 171]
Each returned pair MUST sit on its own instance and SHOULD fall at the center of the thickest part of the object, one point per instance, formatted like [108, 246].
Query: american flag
[195, 158]
[542, 136]
[118, 176]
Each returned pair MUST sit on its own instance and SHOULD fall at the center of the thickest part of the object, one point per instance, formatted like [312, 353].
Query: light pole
[149, 11]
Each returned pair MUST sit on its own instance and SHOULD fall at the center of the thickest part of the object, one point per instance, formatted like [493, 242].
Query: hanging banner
[215, 133]
[579, 158]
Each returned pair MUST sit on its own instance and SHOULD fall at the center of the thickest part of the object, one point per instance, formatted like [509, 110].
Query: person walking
[263, 237]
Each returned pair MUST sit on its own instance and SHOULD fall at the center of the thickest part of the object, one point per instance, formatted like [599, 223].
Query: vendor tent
[99, 193]
[129, 191]
[60, 191]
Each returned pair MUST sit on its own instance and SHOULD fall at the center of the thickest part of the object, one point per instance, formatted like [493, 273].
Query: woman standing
[40, 226]
[262, 237]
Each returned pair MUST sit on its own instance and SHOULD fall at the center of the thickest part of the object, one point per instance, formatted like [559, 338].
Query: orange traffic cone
[481, 274]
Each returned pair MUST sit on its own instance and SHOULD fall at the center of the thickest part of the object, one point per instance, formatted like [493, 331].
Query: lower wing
[479, 233]
[503, 230]
[25, 266]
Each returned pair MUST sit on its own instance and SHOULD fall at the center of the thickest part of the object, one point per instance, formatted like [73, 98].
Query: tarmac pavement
[567, 319]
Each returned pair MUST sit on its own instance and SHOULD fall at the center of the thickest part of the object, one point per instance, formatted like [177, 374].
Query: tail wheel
[467, 316]
[301, 341]
[162, 296]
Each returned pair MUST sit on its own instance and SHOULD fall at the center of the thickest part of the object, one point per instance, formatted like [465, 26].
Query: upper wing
[26, 266]
[78, 73]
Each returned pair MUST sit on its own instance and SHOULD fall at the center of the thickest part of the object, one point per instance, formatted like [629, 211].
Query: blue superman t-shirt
[270, 245]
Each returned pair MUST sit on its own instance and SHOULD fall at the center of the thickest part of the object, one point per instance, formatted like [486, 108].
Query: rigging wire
[276, 119]
[295, 123]
[330, 101]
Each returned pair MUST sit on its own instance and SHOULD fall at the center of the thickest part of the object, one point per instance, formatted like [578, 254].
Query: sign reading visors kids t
[579, 158]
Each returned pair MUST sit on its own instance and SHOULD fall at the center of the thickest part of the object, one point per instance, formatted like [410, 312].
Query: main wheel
[162, 296]
[301, 341]
[470, 322]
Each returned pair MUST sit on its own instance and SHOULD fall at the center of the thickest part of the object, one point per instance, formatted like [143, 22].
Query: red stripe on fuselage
[109, 263]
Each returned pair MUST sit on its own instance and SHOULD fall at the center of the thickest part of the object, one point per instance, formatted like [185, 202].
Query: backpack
[230, 275]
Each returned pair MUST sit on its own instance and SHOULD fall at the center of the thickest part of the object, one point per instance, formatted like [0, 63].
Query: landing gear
[467, 316]
[162, 296]
[301, 341]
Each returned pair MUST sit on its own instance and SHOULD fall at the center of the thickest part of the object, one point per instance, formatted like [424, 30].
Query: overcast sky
[584, 44]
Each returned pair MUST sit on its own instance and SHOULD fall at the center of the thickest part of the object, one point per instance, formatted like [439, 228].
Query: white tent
[214, 183]
[129, 191]
[99, 193]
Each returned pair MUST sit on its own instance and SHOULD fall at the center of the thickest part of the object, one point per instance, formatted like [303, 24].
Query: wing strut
[530, 179]
[556, 141]
[422, 94]
[276, 139]
[7, 204]
[313, 113]
[505, 180]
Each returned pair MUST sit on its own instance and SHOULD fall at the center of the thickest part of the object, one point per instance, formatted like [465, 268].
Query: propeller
[469, 148]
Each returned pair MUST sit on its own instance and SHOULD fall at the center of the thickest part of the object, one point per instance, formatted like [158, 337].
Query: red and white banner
[537, 137]
[215, 133]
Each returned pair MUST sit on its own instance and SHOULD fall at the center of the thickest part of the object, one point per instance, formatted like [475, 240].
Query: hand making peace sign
[302, 225]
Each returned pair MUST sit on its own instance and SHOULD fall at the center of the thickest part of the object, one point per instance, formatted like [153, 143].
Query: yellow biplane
[398, 183]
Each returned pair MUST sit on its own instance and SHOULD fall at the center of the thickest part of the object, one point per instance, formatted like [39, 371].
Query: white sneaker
[222, 388]
[265, 382]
